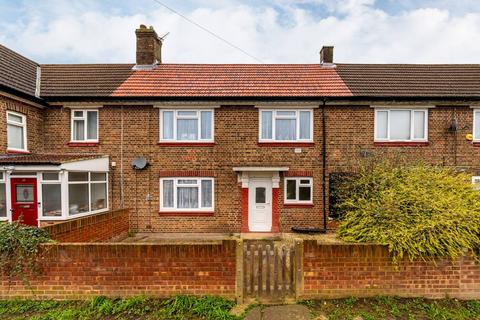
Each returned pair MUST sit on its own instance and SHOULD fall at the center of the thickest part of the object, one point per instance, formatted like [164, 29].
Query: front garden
[214, 308]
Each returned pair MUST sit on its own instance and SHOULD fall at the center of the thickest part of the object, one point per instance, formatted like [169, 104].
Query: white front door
[260, 205]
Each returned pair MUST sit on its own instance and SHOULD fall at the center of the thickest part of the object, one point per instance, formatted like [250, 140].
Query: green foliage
[206, 307]
[19, 247]
[418, 211]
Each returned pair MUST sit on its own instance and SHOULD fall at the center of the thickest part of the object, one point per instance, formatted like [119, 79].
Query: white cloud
[360, 32]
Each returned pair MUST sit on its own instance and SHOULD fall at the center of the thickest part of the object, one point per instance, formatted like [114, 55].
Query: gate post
[298, 268]
[239, 270]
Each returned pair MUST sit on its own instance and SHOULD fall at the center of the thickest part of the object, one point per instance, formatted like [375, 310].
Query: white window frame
[197, 116]
[412, 138]
[197, 184]
[476, 182]
[3, 180]
[40, 184]
[22, 125]
[476, 113]
[85, 126]
[275, 116]
[89, 182]
[297, 186]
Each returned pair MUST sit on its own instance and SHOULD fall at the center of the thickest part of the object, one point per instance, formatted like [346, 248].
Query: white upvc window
[3, 196]
[186, 194]
[299, 190]
[476, 182]
[286, 125]
[187, 125]
[51, 194]
[401, 125]
[87, 192]
[476, 125]
[16, 131]
[84, 125]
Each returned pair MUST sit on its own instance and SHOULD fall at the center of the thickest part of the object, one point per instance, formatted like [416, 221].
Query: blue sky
[281, 31]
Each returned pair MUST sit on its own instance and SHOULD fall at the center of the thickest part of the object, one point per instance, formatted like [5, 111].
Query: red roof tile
[17, 72]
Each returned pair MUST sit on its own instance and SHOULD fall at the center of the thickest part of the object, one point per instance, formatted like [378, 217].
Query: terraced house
[227, 148]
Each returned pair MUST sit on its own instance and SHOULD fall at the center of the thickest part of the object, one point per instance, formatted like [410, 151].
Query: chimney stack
[326, 55]
[149, 46]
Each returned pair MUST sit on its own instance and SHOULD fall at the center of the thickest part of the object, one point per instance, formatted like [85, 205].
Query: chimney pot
[326, 55]
[149, 46]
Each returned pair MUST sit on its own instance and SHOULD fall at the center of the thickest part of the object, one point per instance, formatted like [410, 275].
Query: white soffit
[100, 164]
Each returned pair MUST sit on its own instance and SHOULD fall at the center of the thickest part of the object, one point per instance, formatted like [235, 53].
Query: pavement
[285, 312]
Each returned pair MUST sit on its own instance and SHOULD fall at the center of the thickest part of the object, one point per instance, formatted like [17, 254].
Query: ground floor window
[87, 192]
[298, 190]
[184, 194]
[51, 194]
[3, 196]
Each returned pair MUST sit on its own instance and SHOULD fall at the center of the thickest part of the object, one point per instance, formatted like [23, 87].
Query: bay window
[84, 125]
[476, 125]
[87, 192]
[286, 125]
[298, 190]
[16, 131]
[186, 194]
[401, 125]
[186, 125]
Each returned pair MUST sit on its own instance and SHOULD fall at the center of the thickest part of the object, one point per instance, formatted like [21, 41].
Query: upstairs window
[286, 126]
[85, 125]
[186, 125]
[16, 131]
[186, 194]
[476, 125]
[298, 190]
[401, 125]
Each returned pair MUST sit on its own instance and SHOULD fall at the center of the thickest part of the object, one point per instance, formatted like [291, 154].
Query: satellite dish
[139, 163]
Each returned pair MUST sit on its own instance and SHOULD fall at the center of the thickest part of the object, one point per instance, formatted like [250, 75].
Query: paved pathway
[287, 312]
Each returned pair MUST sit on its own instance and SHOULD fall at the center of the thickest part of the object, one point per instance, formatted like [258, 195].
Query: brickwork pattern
[236, 144]
[334, 271]
[81, 271]
[35, 123]
[106, 226]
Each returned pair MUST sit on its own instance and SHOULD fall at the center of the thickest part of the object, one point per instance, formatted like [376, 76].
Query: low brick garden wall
[102, 227]
[79, 271]
[333, 271]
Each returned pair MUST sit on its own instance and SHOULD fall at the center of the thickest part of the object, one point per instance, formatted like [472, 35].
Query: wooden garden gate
[270, 272]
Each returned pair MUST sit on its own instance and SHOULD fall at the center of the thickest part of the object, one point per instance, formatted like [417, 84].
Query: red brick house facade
[230, 148]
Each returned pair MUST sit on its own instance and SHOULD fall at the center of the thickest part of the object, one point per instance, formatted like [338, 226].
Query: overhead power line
[208, 31]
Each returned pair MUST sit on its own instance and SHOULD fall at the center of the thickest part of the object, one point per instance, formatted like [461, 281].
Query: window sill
[82, 144]
[186, 213]
[476, 144]
[186, 144]
[401, 143]
[298, 205]
[14, 151]
[286, 144]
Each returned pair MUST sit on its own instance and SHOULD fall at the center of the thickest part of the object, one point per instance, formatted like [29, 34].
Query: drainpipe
[324, 165]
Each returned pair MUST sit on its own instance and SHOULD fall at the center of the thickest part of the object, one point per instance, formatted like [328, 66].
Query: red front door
[24, 200]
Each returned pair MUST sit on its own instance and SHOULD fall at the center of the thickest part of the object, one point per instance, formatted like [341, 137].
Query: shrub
[419, 211]
[19, 249]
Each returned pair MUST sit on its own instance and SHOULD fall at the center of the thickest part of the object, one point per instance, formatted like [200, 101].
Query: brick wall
[35, 121]
[106, 226]
[236, 135]
[333, 271]
[350, 130]
[79, 271]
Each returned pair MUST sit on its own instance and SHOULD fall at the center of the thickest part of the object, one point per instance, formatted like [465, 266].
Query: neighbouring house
[229, 147]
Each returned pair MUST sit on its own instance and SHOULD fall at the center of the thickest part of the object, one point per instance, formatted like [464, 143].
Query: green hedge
[419, 211]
